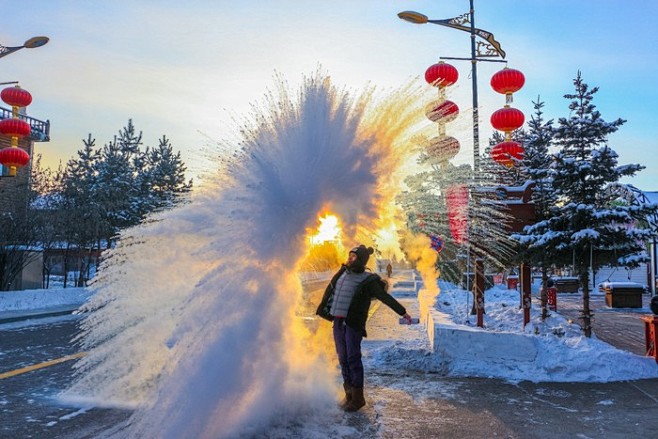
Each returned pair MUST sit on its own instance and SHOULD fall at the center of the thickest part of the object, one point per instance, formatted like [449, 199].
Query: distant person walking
[389, 270]
[346, 302]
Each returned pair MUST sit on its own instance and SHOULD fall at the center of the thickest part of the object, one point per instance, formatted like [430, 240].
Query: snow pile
[30, 300]
[552, 350]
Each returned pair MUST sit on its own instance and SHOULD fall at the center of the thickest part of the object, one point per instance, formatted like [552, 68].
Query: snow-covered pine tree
[79, 203]
[537, 167]
[162, 176]
[587, 226]
[425, 207]
[79, 211]
[117, 186]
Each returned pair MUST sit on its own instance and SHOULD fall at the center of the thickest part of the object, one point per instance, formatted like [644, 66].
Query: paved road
[620, 327]
[28, 404]
[485, 408]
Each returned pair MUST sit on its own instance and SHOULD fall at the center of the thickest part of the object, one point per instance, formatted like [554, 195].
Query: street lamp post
[480, 51]
[29, 44]
[16, 127]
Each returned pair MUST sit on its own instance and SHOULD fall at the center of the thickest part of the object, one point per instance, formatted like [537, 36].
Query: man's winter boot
[357, 400]
[348, 396]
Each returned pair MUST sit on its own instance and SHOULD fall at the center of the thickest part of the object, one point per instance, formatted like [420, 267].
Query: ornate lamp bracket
[486, 50]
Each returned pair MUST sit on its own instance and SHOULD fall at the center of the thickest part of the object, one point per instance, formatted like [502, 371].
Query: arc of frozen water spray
[192, 321]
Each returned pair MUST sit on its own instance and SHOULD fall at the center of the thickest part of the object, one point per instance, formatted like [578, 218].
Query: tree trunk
[526, 291]
[544, 292]
[586, 313]
[65, 265]
[478, 291]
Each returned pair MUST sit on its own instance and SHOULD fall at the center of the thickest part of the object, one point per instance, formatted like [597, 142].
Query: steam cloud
[193, 321]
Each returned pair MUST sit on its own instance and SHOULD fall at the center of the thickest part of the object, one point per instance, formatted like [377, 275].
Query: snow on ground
[30, 300]
[19, 309]
[564, 354]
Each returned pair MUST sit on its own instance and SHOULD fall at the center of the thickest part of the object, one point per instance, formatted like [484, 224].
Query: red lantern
[444, 111]
[14, 157]
[14, 127]
[443, 148]
[16, 97]
[507, 81]
[505, 152]
[507, 119]
[457, 204]
[441, 75]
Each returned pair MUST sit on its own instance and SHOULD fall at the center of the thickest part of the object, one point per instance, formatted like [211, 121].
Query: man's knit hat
[362, 254]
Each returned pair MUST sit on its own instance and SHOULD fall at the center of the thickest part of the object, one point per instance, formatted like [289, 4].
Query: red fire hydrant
[512, 282]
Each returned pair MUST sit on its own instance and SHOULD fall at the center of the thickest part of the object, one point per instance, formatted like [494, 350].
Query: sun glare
[328, 230]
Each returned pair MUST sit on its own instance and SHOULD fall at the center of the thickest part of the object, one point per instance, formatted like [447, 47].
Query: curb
[34, 314]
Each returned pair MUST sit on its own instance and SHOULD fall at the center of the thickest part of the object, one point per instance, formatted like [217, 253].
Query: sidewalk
[35, 304]
[623, 328]
[40, 313]
[408, 404]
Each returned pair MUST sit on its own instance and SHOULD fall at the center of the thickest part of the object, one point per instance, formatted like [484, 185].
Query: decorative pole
[508, 153]
[443, 148]
[480, 51]
[15, 157]
[507, 119]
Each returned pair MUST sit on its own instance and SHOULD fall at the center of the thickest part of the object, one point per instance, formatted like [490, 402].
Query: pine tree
[117, 183]
[537, 166]
[81, 210]
[105, 191]
[162, 178]
[587, 226]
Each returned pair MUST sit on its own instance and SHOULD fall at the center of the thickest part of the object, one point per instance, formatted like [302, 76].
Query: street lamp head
[35, 42]
[30, 44]
[413, 17]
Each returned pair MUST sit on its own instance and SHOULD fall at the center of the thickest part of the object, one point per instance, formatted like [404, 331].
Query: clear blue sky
[183, 68]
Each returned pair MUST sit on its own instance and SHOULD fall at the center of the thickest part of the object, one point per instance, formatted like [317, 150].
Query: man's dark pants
[348, 348]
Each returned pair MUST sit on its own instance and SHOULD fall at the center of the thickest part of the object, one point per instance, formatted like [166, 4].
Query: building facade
[20, 267]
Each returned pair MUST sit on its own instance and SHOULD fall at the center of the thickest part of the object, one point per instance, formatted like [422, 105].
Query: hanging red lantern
[441, 75]
[14, 127]
[443, 148]
[507, 81]
[14, 157]
[16, 97]
[507, 119]
[443, 111]
[457, 204]
[505, 152]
